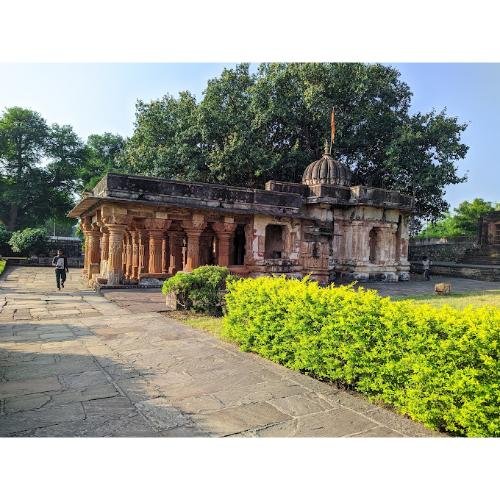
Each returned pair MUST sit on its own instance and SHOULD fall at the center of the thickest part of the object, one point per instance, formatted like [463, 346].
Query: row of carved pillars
[114, 251]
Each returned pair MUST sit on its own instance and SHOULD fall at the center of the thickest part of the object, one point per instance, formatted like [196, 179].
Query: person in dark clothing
[61, 264]
[426, 265]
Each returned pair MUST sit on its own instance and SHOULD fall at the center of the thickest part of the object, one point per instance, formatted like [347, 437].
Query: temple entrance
[239, 243]
[208, 248]
[274, 244]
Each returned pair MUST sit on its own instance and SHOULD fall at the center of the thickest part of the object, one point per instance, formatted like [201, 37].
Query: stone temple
[142, 229]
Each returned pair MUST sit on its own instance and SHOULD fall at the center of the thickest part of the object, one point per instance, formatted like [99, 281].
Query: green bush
[30, 242]
[439, 366]
[3, 263]
[5, 236]
[201, 290]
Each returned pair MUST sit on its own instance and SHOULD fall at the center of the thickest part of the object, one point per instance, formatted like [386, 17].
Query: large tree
[23, 136]
[38, 168]
[167, 140]
[463, 222]
[250, 128]
[103, 154]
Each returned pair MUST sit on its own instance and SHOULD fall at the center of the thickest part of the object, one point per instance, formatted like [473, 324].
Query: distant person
[426, 264]
[61, 264]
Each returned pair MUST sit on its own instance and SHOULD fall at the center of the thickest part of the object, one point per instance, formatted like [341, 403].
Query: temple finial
[327, 148]
[332, 128]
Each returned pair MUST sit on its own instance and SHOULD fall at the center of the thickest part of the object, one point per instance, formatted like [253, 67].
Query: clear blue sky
[96, 98]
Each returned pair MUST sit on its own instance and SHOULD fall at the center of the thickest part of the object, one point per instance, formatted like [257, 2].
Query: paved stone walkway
[73, 363]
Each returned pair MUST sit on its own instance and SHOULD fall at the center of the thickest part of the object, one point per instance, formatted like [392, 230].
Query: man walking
[426, 264]
[61, 264]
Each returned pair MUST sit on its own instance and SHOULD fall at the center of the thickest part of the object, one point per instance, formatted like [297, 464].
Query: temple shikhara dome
[327, 170]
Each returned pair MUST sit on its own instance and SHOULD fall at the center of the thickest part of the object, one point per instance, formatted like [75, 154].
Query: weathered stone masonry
[139, 229]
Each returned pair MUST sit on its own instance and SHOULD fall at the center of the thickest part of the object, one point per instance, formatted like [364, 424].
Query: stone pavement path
[73, 363]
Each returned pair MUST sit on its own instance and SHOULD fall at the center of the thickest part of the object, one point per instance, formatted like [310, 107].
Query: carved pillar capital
[157, 224]
[196, 225]
[224, 228]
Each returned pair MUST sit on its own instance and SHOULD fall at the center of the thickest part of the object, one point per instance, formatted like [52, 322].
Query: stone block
[29, 386]
[22, 421]
[332, 423]
[238, 419]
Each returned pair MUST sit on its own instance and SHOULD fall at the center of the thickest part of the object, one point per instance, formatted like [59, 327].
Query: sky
[97, 98]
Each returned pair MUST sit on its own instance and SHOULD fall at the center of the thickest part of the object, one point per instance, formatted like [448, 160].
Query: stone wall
[441, 249]
[42, 261]
[460, 270]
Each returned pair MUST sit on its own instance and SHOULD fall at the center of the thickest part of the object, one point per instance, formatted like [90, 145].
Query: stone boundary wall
[471, 271]
[41, 261]
[441, 249]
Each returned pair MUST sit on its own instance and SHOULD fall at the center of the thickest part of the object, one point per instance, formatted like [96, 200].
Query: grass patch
[459, 300]
[201, 321]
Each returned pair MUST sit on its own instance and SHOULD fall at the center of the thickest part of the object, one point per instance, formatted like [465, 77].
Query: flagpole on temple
[332, 129]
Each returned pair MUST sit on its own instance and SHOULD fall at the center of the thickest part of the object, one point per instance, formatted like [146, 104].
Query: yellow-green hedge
[3, 263]
[440, 366]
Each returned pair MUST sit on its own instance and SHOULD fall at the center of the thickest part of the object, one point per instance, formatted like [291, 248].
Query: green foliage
[102, 156]
[444, 228]
[38, 168]
[30, 242]
[5, 236]
[468, 213]
[201, 290]
[166, 141]
[439, 366]
[3, 263]
[61, 226]
[464, 222]
[250, 128]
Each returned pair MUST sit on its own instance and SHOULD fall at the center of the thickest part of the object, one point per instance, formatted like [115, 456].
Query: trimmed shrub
[30, 242]
[439, 366]
[201, 290]
[5, 236]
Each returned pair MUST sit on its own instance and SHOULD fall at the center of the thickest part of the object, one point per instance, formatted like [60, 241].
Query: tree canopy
[43, 167]
[463, 222]
[252, 127]
[38, 167]
[102, 155]
[249, 127]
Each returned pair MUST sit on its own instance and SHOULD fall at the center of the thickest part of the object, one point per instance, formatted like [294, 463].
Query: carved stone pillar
[104, 249]
[156, 228]
[193, 229]
[164, 254]
[86, 226]
[115, 269]
[193, 249]
[224, 232]
[124, 253]
[129, 272]
[135, 254]
[143, 251]
[94, 255]
[155, 251]
[175, 240]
